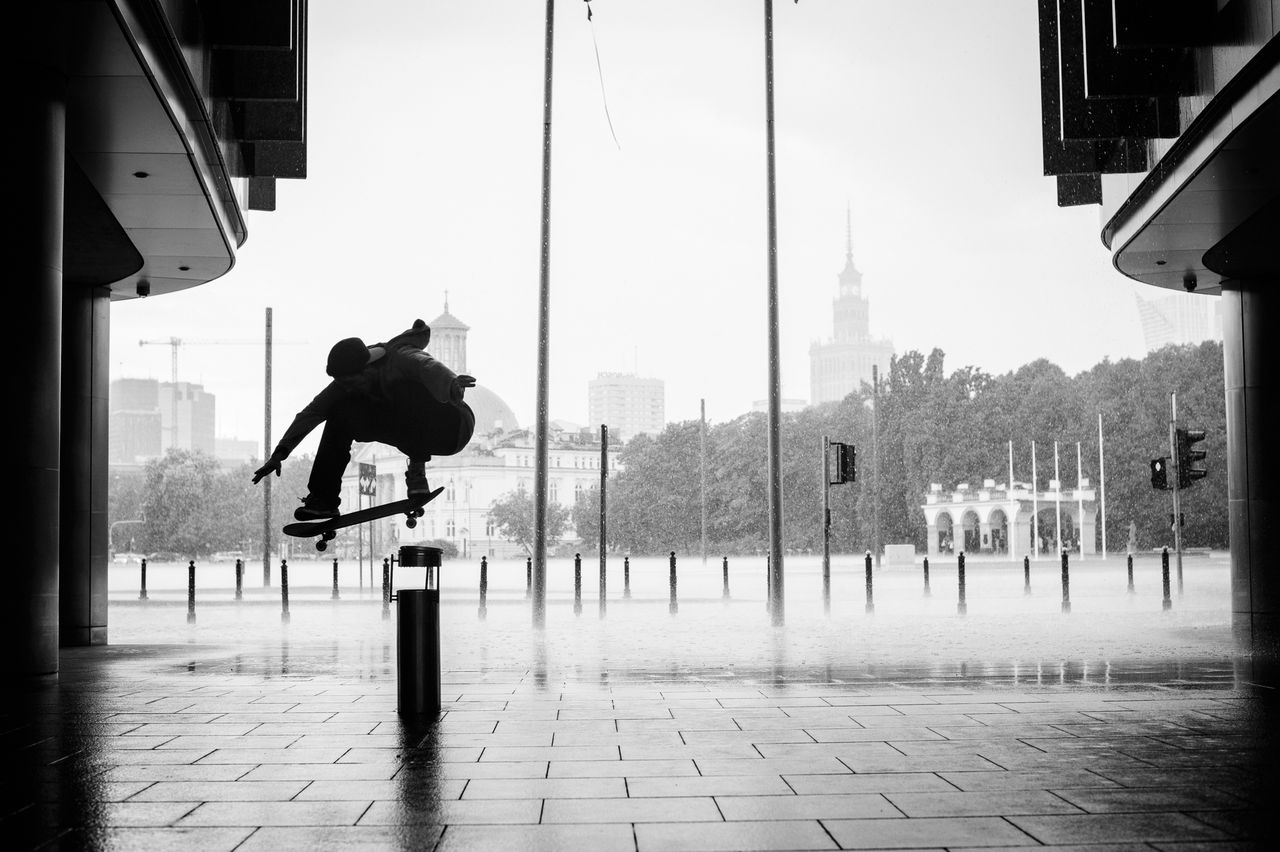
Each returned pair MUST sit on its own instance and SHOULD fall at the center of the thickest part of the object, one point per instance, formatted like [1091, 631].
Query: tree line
[931, 427]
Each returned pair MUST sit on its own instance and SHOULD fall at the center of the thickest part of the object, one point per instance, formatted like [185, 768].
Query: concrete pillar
[1020, 535]
[1088, 530]
[931, 538]
[83, 522]
[1249, 312]
[33, 344]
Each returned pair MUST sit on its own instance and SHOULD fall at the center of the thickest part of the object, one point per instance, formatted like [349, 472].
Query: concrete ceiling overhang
[140, 132]
[1191, 222]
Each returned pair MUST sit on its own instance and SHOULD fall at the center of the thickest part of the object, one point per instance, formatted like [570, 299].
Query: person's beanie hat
[347, 357]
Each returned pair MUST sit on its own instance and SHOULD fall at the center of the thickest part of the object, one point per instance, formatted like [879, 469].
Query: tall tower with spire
[449, 339]
[842, 364]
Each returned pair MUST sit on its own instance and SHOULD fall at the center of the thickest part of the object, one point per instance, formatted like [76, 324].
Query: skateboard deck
[327, 528]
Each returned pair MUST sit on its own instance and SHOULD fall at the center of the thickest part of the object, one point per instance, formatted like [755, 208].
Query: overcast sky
[424, 134]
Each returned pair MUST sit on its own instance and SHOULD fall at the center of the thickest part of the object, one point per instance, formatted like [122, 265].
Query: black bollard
[191, 591]
[1066, 585]
[1164, 570]
[386, 589]
[1129, 560]
[142, 594]
[484, 584]
[871, 606]
[927, 593]
[673, 606]
[626, 576]
[335, 580]
[1026, 575]
[284, 590]
[961, 607]
[528, 578]
[239, 579]
[725, 594]
[577, 584]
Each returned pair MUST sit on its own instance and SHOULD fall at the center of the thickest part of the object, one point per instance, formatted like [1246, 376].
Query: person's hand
[459, 386]
[273, 464]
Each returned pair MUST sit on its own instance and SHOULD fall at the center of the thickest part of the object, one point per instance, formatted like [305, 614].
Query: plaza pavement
[1117, 726]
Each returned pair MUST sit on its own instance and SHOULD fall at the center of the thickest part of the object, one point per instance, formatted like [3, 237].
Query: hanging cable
[604, 98]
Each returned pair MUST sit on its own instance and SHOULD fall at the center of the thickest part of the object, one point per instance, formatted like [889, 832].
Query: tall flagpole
[267, 532]
[702, 476]
[1035, 505]
[1102, 487]
[776, 596]
[1080, 498]
[1008, 537]
[544, 335]
[1057, 500]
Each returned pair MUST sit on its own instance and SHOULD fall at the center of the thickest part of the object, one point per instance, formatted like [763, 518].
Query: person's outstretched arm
[315, 413]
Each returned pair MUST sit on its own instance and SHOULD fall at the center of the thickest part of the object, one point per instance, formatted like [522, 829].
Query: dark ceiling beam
[262, 24]
[1111, 71]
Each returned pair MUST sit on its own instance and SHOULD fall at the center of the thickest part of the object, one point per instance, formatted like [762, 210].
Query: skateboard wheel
[322, 545]
[411, 522]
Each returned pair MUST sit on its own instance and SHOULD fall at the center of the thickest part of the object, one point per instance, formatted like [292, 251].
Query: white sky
[424, 162]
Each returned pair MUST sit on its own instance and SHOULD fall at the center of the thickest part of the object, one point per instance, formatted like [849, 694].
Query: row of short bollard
[239, 586]
[962, 608]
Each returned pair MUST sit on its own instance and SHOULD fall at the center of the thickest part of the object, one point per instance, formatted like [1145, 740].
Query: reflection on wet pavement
[708, 730]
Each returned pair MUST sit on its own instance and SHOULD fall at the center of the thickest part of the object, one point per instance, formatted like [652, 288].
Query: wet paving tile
[948, 832]
[747, 836]
[1113, 828]
[182, 746]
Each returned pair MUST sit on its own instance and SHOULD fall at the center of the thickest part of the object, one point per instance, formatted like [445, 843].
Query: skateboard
[327, 528]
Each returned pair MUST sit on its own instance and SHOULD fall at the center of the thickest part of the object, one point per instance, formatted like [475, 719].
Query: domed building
[498, 461]
[449, 347]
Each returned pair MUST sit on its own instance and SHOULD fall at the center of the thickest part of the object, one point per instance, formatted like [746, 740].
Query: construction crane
[174, 343]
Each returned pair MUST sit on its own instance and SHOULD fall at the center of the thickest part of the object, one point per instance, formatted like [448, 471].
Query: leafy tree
[513, 515]
[190, 506]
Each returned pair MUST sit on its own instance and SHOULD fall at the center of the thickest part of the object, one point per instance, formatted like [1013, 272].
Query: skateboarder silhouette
[394, 393]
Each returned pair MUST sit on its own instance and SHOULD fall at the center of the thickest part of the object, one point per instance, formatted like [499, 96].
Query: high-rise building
[1174, 317]
[133, 432]
[628, 404]
[142, 414]
[195, 410]
[841, 365]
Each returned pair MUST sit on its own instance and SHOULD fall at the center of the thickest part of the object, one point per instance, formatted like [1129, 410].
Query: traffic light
[846, 463]
[1189, 459]
[1159, 474]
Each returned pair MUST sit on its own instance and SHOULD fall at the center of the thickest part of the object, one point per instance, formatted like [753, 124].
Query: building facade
[844, 363]
[149, 417]
[146, 132]
[628, 404]
[1177, 318]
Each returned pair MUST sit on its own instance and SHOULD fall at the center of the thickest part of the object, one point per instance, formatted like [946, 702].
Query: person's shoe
[314, 511]
[415, 480]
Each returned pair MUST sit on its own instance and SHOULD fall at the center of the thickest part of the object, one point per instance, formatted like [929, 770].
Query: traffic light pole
[826, 525]
[1177, 479]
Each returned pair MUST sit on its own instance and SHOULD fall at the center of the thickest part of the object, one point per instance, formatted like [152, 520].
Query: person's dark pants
[414, 422]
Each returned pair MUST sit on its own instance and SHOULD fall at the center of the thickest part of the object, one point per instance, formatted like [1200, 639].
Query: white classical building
[986, 520]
